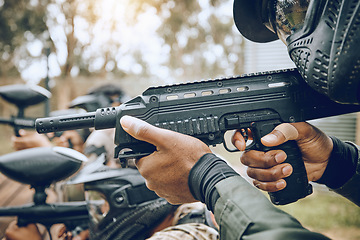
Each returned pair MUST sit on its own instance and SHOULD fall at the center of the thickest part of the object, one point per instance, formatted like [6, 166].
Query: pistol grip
[16, 131]
[297, 184]
[21, 222]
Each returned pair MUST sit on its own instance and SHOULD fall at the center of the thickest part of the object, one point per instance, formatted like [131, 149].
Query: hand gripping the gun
[208, 109]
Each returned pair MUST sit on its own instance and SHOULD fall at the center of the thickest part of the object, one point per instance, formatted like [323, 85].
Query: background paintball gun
[40, 167]
[208, 109]
[22, 96]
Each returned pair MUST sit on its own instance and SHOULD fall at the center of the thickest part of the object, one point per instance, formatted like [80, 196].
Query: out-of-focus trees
[164, 39]
[199, 37]
[21, 23]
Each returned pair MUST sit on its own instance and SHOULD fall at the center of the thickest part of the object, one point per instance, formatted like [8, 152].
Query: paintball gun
[22, 96]
[40, 167]
[208, 109]
[63, 112]
[18, 123]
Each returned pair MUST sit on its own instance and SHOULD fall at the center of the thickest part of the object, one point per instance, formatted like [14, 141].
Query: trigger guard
[227, 148]
[252, 146]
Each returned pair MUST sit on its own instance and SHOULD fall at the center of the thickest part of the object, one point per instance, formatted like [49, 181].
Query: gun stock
[208, 109]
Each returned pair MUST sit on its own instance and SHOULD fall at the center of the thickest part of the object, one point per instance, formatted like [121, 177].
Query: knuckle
[243, 159]
[142, 130]
[269, 159]
[274, 174]
[254, 174]
[269, 187]
[247, 158]
[263, 186]
[250, 173]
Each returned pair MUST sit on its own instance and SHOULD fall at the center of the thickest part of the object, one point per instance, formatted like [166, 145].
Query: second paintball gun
[40, 167]
[22, 96]
[18, 123]
[208, 109]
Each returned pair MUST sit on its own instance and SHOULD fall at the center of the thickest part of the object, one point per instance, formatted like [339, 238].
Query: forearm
[204, 176]
[241, 210]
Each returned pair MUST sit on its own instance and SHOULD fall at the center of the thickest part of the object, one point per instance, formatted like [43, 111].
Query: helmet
[248, 19]
[112, 91]
[322, 38]
[119, 203]
[90, 102]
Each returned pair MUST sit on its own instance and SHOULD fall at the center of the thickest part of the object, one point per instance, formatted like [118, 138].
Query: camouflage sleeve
[189, 223]
[188, 231]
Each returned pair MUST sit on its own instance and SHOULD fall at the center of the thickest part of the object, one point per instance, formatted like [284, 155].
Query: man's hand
[167, 169]
[70, 139]
[266, 168]
[29, 139]
[64, 234]
[30, 232]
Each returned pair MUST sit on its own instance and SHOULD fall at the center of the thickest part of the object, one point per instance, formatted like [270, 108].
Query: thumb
[144, 131]
[280, 134]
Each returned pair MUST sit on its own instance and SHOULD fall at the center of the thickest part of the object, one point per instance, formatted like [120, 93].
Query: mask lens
[289, 16]
[98, 205]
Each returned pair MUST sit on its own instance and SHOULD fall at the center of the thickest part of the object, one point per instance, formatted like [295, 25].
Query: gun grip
[297, 184]
[21, 222]
[16, 131]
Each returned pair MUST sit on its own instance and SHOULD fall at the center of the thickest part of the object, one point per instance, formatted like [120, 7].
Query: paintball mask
[120, 205]
[322, 36]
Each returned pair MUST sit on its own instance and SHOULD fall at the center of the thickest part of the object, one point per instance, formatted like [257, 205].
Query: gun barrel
[101, 119]
[63, 123]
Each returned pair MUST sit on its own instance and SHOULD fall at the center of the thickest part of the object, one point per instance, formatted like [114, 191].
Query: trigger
[128, 155]
[245, 134]
[250, 144]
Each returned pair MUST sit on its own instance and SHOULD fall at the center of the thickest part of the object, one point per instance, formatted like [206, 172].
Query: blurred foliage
[20, 22]
[175, 41]
[197, 38]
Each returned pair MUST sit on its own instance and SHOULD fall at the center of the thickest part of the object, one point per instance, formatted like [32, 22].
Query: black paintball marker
[22, 96]
[63, 112]
[208, 109]
[18, 123]
[40, 167]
